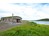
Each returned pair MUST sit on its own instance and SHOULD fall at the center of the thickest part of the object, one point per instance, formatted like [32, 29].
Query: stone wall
[9, 20]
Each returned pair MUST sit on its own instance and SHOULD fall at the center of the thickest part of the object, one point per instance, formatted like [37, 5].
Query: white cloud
[16, 1]
[24, 1]
[26, 12]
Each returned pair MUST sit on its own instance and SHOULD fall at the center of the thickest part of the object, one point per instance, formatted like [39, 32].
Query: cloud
[44, 4]
[18, 1]
[28, 11]
[3, 11]
[23, 4]
[24, 1]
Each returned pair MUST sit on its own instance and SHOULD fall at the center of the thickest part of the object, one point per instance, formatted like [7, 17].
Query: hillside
[27, 29]
[46, 19]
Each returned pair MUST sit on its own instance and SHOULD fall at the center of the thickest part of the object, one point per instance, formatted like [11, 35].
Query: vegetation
[46, 19]
[27, 29]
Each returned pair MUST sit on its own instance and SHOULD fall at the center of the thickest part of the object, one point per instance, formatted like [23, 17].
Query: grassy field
[27, 29]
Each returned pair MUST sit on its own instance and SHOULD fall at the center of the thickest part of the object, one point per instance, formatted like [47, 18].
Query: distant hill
[46, 19]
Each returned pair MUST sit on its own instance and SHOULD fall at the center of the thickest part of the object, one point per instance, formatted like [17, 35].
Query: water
[42, 22]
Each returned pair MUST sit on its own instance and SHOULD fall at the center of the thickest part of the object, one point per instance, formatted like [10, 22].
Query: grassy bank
[27, 29]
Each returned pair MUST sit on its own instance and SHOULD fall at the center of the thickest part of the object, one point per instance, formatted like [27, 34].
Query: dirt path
[4, 26]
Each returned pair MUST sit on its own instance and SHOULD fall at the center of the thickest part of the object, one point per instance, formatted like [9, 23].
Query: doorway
[18, 20]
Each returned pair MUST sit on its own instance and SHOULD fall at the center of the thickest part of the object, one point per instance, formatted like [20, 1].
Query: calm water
[42, 22]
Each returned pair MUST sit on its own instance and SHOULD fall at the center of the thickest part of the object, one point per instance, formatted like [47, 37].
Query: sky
[28, 11]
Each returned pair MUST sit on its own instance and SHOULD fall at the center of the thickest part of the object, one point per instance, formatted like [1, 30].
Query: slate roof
[15, 17]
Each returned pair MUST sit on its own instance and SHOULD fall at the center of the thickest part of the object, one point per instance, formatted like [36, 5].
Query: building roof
[15, 17]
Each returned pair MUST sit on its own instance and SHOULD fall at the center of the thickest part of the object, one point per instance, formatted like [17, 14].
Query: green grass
[28, 29]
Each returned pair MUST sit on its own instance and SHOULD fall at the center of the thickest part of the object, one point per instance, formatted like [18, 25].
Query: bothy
[11, 19]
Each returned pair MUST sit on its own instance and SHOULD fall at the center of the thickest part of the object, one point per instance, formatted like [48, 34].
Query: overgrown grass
[28, 29]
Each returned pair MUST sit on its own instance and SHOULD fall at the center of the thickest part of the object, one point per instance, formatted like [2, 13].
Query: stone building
[11, 19]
